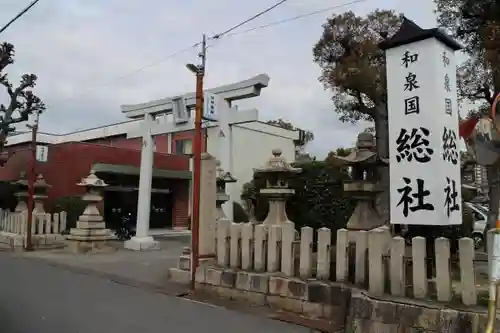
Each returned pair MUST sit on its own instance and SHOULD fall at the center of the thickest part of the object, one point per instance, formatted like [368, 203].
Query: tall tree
[353, 69]
[338, 152]
[22, 102]
[476, 23]
[307, 136]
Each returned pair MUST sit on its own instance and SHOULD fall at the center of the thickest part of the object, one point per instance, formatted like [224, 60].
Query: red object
[466, 127]
[69, 162]
[197, 148]
[31, 187]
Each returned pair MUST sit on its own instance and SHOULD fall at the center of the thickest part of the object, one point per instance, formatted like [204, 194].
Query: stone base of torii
[207, 225]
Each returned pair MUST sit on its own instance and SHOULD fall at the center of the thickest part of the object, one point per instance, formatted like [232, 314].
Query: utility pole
[197, 149]
[31, 182]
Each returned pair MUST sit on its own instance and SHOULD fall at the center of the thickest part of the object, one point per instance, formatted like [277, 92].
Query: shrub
[239, 214]
[8, 199]
[73, 206]
[318, 200]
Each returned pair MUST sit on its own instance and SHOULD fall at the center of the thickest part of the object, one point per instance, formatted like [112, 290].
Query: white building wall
[252, 146]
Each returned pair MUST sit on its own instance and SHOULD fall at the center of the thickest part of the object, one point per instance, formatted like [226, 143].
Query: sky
[91, 56]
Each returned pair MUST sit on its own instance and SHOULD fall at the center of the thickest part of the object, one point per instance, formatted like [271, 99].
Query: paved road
[142, 266]
[35, 297]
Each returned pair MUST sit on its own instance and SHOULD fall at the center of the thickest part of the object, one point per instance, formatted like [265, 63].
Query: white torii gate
[178, 106]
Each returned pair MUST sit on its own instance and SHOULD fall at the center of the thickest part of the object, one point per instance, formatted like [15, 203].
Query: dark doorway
[121, 197]
[161, 210]
[118, 204]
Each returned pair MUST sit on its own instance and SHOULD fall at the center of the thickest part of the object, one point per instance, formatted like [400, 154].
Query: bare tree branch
[22, 101]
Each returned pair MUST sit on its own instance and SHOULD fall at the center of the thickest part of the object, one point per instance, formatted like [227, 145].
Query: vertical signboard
[423, 129]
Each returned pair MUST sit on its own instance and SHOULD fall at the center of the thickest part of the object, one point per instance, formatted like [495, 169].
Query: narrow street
[36, 297]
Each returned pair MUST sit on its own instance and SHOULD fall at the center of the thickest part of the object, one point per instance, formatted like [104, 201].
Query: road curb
[169, 289]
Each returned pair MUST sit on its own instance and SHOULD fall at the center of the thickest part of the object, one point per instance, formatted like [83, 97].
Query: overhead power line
[155, 63]
[294, 18]
[136, 71]
[217, 36]
[226, 33]
[24, 11]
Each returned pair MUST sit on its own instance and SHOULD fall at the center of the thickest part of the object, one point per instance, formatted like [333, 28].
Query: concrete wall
[252, 146]
[337, 307]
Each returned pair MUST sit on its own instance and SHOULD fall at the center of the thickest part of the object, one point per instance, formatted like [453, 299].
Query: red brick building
[116, 160]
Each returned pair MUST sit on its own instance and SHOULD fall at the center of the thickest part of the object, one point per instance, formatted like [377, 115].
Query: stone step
[186, 250]
[178, 275]
[184, 262]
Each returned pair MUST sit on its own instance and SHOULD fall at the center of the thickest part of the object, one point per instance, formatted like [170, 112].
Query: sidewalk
[147, 269]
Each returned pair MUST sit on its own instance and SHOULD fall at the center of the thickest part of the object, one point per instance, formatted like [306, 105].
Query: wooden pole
[197, 149]
[31, 184]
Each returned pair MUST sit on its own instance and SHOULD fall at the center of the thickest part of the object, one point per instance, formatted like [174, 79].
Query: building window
[183, 147]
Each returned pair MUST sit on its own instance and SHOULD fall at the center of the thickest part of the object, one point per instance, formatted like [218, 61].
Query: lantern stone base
[90, 225]
[364, 217]
[93, 244]
[21, 206]
[89, 237]
[142, 244]
[89, 233]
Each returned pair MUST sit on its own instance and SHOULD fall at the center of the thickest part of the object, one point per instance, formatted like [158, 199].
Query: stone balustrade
[45, 229]
[371, 259]
[363, 281]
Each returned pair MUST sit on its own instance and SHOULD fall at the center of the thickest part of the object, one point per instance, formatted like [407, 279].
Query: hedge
[318, 202]
[73, 206]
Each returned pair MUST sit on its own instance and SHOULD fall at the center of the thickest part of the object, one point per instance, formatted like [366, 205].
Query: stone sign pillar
[208, 198]
[40, 189]
[90, 233]
[276, 172]
[223, 178]
[22, 193]
[207, 222]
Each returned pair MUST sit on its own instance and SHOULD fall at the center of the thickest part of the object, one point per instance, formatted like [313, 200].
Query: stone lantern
[277, 172]
[22, 193]
[364, 185]
[40, 188]
[90, 232]
[222, 179]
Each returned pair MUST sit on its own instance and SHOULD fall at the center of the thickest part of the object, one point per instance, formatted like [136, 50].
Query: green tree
[318, 201]
[306, 137]
[476, 23]
[343, 152]
[353, 69]
[338, 152]
[22, 102]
